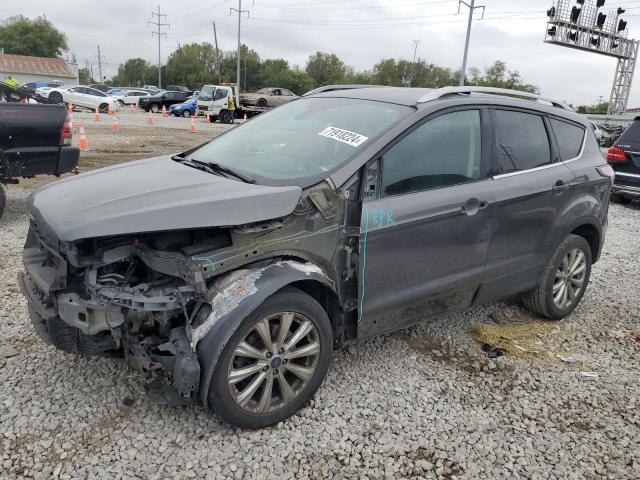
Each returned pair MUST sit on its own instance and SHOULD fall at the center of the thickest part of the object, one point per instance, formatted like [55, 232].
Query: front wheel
[273, 363]
[563, 281]
[55, 97]
[262, 102]
[155, 108]
[186, 113]
[103, 108]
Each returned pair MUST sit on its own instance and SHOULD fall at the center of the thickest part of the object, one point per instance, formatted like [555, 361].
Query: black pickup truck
[35, 139]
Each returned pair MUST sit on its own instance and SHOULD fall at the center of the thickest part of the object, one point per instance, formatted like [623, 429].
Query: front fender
[232, 298]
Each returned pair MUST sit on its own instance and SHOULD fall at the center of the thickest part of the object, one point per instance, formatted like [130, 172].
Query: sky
[360, 32]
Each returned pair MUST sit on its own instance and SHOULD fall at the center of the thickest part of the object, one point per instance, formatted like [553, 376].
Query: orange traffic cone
[71, 123]
[245, 117]
[192, 128]
[208, 119]
[70, 108]
[164, 112]
[84, 144]
[115, 126]
[97, 116]
[150, 118]
[109, 111]
[132, 110]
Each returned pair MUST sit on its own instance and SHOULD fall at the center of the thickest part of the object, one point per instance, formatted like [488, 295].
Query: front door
[426, 231]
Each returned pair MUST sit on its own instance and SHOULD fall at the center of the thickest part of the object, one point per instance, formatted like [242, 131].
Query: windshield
[304, 139]
[206, 94]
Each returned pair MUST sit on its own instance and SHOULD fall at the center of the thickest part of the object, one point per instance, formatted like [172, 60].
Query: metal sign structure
[584, 25]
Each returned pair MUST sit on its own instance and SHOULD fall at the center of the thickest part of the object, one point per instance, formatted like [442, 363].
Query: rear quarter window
[570, 138]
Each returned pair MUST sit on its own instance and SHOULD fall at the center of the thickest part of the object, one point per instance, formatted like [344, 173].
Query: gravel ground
[424, 402]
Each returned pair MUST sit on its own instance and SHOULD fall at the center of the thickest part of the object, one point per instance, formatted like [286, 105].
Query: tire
[213, 118]
[121, 103]
[154, 107]
[621, 199]
[3, 201]
[103, 108]
[186, 113]
[541, 300]
[225, 116]
[224, 396]
[262, 102]
[55, 97]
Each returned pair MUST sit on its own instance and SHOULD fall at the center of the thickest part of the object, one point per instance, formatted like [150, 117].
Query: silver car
[268, 97]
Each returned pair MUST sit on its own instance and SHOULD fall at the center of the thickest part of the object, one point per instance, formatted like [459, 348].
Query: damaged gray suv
[230, 272]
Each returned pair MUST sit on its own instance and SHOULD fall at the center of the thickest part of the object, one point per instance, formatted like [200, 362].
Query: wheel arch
[592, 233]
[236, 294]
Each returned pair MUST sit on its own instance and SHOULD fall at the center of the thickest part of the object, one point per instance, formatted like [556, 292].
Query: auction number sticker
[345, 136]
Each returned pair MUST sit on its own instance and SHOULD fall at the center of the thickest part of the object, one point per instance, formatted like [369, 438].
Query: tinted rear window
[570, 138]
[631, 135]
[522, 141]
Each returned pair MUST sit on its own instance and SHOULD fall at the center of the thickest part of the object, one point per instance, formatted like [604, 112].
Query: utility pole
[215, 37]
[415, 50]
[100, 65]
[472, 7]
[240, 12]
[159, 33]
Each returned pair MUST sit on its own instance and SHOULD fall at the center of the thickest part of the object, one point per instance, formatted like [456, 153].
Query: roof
[398, 95]
[48, 67]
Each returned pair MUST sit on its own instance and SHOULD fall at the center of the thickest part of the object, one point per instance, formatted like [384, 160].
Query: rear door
[425, 235]
[533, 189]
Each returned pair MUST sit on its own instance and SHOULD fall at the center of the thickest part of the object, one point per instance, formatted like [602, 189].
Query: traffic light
[622, 25]
[600, 3]
[575, 14]
[552, 31]
[580, 2]
[595, 41]
[573, 36]
[601, 19]
[615, 45]
[551, 12]
[621, 10]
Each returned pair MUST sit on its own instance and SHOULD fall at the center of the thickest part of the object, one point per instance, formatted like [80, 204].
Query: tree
[135, 72]
[84, 76]
[498, 76]
[38, 38]
[325, 69]
[193, 64]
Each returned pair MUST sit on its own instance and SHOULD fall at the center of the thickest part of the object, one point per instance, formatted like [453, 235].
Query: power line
[472, 8]
[159, 33]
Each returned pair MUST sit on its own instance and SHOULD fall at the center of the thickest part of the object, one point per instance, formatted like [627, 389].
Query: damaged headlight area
[122, 296]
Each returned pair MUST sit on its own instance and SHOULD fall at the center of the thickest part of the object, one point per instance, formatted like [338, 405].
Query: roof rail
[445, 91]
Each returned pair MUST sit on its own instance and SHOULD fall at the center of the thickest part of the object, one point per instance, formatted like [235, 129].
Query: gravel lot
[423, 402]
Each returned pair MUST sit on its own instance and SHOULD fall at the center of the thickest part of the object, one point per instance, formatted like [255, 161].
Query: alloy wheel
[569, 278]
[274, 362]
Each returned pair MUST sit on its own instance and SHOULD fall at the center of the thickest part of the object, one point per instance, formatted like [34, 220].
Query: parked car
[82, 96]
[151, 88]
[34, 140]
[130, 97]
[624, 157]
[180, 88]
[268, 97]
[186, 109]
[236, 267]
[32, 86]
[597, 132]
[163, 98]
[100, 86]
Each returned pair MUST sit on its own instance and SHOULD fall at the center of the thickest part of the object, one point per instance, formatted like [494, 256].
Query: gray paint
[152, 195]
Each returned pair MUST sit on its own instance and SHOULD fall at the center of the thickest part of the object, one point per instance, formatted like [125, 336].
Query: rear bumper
[627, 184]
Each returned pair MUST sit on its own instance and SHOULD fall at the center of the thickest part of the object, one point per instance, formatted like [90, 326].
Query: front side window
[522, 142]
[444, 151]
[569, 138]
[303, 141]
[219, 95]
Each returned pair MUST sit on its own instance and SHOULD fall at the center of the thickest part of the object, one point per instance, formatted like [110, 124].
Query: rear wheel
[225, 116]
[103, 108]
[262, 102]
[121, 102]
[563, 281]
[155, 108]
[273, 363]
[55, 97]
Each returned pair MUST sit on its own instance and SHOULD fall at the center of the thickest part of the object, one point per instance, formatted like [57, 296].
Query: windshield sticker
[344, 136]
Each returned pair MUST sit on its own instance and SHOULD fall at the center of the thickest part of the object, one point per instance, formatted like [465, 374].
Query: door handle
[560, 187]
[473, 206]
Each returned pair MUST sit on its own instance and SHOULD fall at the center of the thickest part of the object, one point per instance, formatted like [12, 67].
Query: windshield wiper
[226, 170]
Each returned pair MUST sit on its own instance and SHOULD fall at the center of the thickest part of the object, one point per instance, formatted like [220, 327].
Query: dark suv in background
[234, 269]
[624, 157]
[160, 99]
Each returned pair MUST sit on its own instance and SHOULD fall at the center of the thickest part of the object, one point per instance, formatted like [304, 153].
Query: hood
[152, 195]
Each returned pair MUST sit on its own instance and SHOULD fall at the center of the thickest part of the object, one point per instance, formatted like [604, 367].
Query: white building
[37, 69]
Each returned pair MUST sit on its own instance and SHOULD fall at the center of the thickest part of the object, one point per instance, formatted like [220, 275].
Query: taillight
[66, 133]
[616, 155]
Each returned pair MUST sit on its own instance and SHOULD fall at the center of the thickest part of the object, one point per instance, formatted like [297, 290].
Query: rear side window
[569, 137]
[444, 151]
[522, 142]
